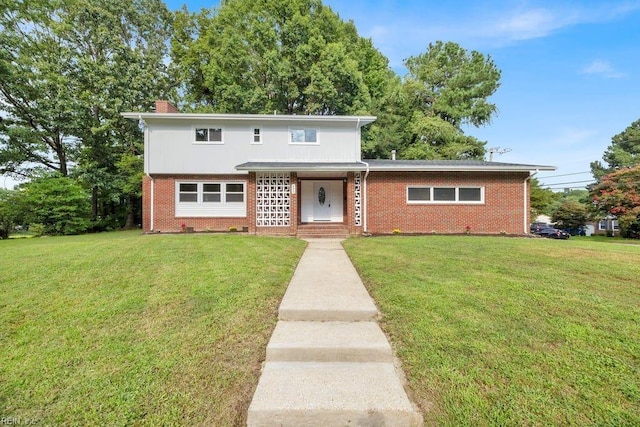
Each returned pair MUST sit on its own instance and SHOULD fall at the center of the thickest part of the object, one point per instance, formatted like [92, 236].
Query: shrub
[58, 203]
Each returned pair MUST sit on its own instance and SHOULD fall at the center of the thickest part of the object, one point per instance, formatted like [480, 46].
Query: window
[418, 194]
[210, 192]
[464, 195]
[470, 194]
[210, 135]
[257, 137]
[605, 224]
[444, 194]
[188, 193]
[304, 136]
[210, 199]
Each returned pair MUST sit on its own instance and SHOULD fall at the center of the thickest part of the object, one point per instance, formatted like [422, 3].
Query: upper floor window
[209, 135]
[303, 136]
[418, 195]
[257, 136]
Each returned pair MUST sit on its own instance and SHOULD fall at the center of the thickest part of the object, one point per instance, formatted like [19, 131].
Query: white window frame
[253, 135]
[456, 200]
[602, 225]
[200, 192]
[179, 192]
[304, 129]
[209, 128]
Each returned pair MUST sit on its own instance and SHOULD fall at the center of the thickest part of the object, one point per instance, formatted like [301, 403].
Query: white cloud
[572, 136]
[523, 25]
[602, 68]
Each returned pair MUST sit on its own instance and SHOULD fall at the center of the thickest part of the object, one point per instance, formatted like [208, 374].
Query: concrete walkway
[328, 362]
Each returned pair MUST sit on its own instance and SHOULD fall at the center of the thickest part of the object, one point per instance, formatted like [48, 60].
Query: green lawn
[511, 331]
[122, 328]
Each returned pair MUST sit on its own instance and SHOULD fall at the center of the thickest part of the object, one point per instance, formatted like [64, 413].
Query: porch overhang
[302, 167]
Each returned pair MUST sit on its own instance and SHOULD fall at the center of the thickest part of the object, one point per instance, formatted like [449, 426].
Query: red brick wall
[503, 210]
[387, 208]
[164, 205]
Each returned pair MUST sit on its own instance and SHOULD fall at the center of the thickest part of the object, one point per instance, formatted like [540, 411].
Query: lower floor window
[203, 192]
[210, 199]
[425, 194]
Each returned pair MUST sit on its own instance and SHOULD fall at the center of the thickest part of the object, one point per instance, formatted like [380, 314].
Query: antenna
[498, 151]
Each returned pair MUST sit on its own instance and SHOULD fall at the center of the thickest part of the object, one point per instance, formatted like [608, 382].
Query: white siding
[172, 149]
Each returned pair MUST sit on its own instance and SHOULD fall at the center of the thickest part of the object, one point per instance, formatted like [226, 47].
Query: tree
[541, 199]
[293, 57]
[58, 203]
[8, 214]
[37, 131]
[68, 68]
[624, 151]
[618, 193]
[571, 215]
[448, 87]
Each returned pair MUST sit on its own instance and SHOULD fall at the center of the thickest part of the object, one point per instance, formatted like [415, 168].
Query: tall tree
[290, 56]
[37, 130]
[448, 87]
[69, 68]
[624, 151]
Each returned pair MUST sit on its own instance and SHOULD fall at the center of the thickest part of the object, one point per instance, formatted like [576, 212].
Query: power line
[570, 182]
[567, 174]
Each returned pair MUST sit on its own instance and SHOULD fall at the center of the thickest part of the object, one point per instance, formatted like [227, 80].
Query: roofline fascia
[300, 169]
[362, 120]
[524, 168]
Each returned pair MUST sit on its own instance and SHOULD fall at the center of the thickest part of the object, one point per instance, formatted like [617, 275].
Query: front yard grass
[126, 329]
[511, 331]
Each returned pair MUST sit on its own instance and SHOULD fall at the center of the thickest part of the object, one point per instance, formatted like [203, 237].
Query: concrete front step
[330, 394]
[328, 342]
[323, 233]
[305, 236]
[325, 287]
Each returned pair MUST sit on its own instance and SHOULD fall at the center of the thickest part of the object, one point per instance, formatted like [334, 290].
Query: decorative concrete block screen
[273, 200]
[358, 199]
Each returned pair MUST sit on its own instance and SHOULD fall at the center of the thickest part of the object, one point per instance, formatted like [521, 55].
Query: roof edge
[362, 120]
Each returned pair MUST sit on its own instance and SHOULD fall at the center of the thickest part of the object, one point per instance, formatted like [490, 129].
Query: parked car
[552, 233]
[535, 226]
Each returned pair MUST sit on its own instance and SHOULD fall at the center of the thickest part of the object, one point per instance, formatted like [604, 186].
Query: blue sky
[570, 69]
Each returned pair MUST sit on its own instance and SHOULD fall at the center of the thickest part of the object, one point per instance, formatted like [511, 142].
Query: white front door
[322, 201]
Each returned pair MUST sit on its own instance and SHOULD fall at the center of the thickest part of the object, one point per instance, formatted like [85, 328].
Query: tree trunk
[130, 223]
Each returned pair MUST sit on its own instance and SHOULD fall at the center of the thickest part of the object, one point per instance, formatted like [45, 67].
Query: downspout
[526, 199]
[147, 154]
[364, 181]
[364, 198]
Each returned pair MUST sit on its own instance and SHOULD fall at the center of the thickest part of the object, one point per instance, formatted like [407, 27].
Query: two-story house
[291, 175]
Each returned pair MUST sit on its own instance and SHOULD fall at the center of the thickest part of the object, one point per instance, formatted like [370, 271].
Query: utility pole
[498, 151]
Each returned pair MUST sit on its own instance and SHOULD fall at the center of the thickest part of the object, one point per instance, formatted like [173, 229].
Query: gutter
[526, 199]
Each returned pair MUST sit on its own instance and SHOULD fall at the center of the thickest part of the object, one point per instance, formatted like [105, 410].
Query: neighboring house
[606, 226]
[293, 175]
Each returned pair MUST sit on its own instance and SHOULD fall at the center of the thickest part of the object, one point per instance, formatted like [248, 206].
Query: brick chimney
[165, 107]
